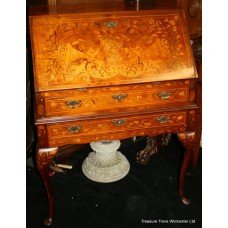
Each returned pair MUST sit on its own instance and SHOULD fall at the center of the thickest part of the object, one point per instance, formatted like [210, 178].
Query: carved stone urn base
[105, 164]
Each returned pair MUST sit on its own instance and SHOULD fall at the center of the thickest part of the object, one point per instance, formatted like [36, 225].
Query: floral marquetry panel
[116, 98]
[93, 127]
[70, 52]
[44, 156]
[81, 139]
[107, 74]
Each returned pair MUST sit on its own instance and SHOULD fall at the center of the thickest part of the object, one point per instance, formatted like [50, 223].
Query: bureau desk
[104, 74]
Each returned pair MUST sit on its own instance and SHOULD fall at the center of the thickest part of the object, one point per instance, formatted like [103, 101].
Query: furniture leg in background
[153, 146]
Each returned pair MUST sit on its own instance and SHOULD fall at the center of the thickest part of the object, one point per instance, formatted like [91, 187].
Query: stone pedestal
[105, 164]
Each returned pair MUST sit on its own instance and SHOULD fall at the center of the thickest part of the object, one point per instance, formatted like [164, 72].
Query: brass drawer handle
[74, 129]
[111, 24]
[164, 95]
[119, 122]
[119, 97]
[162, 119]
[73, 104]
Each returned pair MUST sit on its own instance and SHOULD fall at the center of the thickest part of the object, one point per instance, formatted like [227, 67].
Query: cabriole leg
[143, 156]
[44, 158]
[189, 141]
[153, 146]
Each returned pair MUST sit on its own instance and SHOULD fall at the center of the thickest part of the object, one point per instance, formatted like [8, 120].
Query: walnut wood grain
[81, 139]
[137, 49]
[111, 125]
[86, 54]
[42, 136]
[100, 100]
[70, 118]
[189, 141]
[192, 8]
[44, 158]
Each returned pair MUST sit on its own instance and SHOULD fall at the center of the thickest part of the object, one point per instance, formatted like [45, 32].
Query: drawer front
[116, 99]
[69, 131]
[103, 50]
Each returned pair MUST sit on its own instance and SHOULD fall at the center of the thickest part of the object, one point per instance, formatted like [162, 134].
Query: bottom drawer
[85, 131]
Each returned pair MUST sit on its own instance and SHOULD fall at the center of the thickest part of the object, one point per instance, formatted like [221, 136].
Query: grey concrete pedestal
[105, 164]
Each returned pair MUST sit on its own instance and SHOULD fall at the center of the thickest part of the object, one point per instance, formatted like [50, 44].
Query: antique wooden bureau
[102, 75]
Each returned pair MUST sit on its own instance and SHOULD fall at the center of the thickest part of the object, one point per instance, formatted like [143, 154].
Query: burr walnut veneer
[111, 75]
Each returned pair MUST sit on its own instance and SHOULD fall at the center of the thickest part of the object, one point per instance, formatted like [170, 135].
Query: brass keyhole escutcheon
[162, 119]
[111, 24]
[73, 103]
[164, 95]
[119, 97]
[74, 129]
[119, 122]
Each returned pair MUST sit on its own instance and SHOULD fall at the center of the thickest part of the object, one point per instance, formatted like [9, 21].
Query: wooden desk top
[45, 7]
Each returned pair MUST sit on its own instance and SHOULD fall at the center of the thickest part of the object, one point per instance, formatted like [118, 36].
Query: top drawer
[115, 99]
[74, 51]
